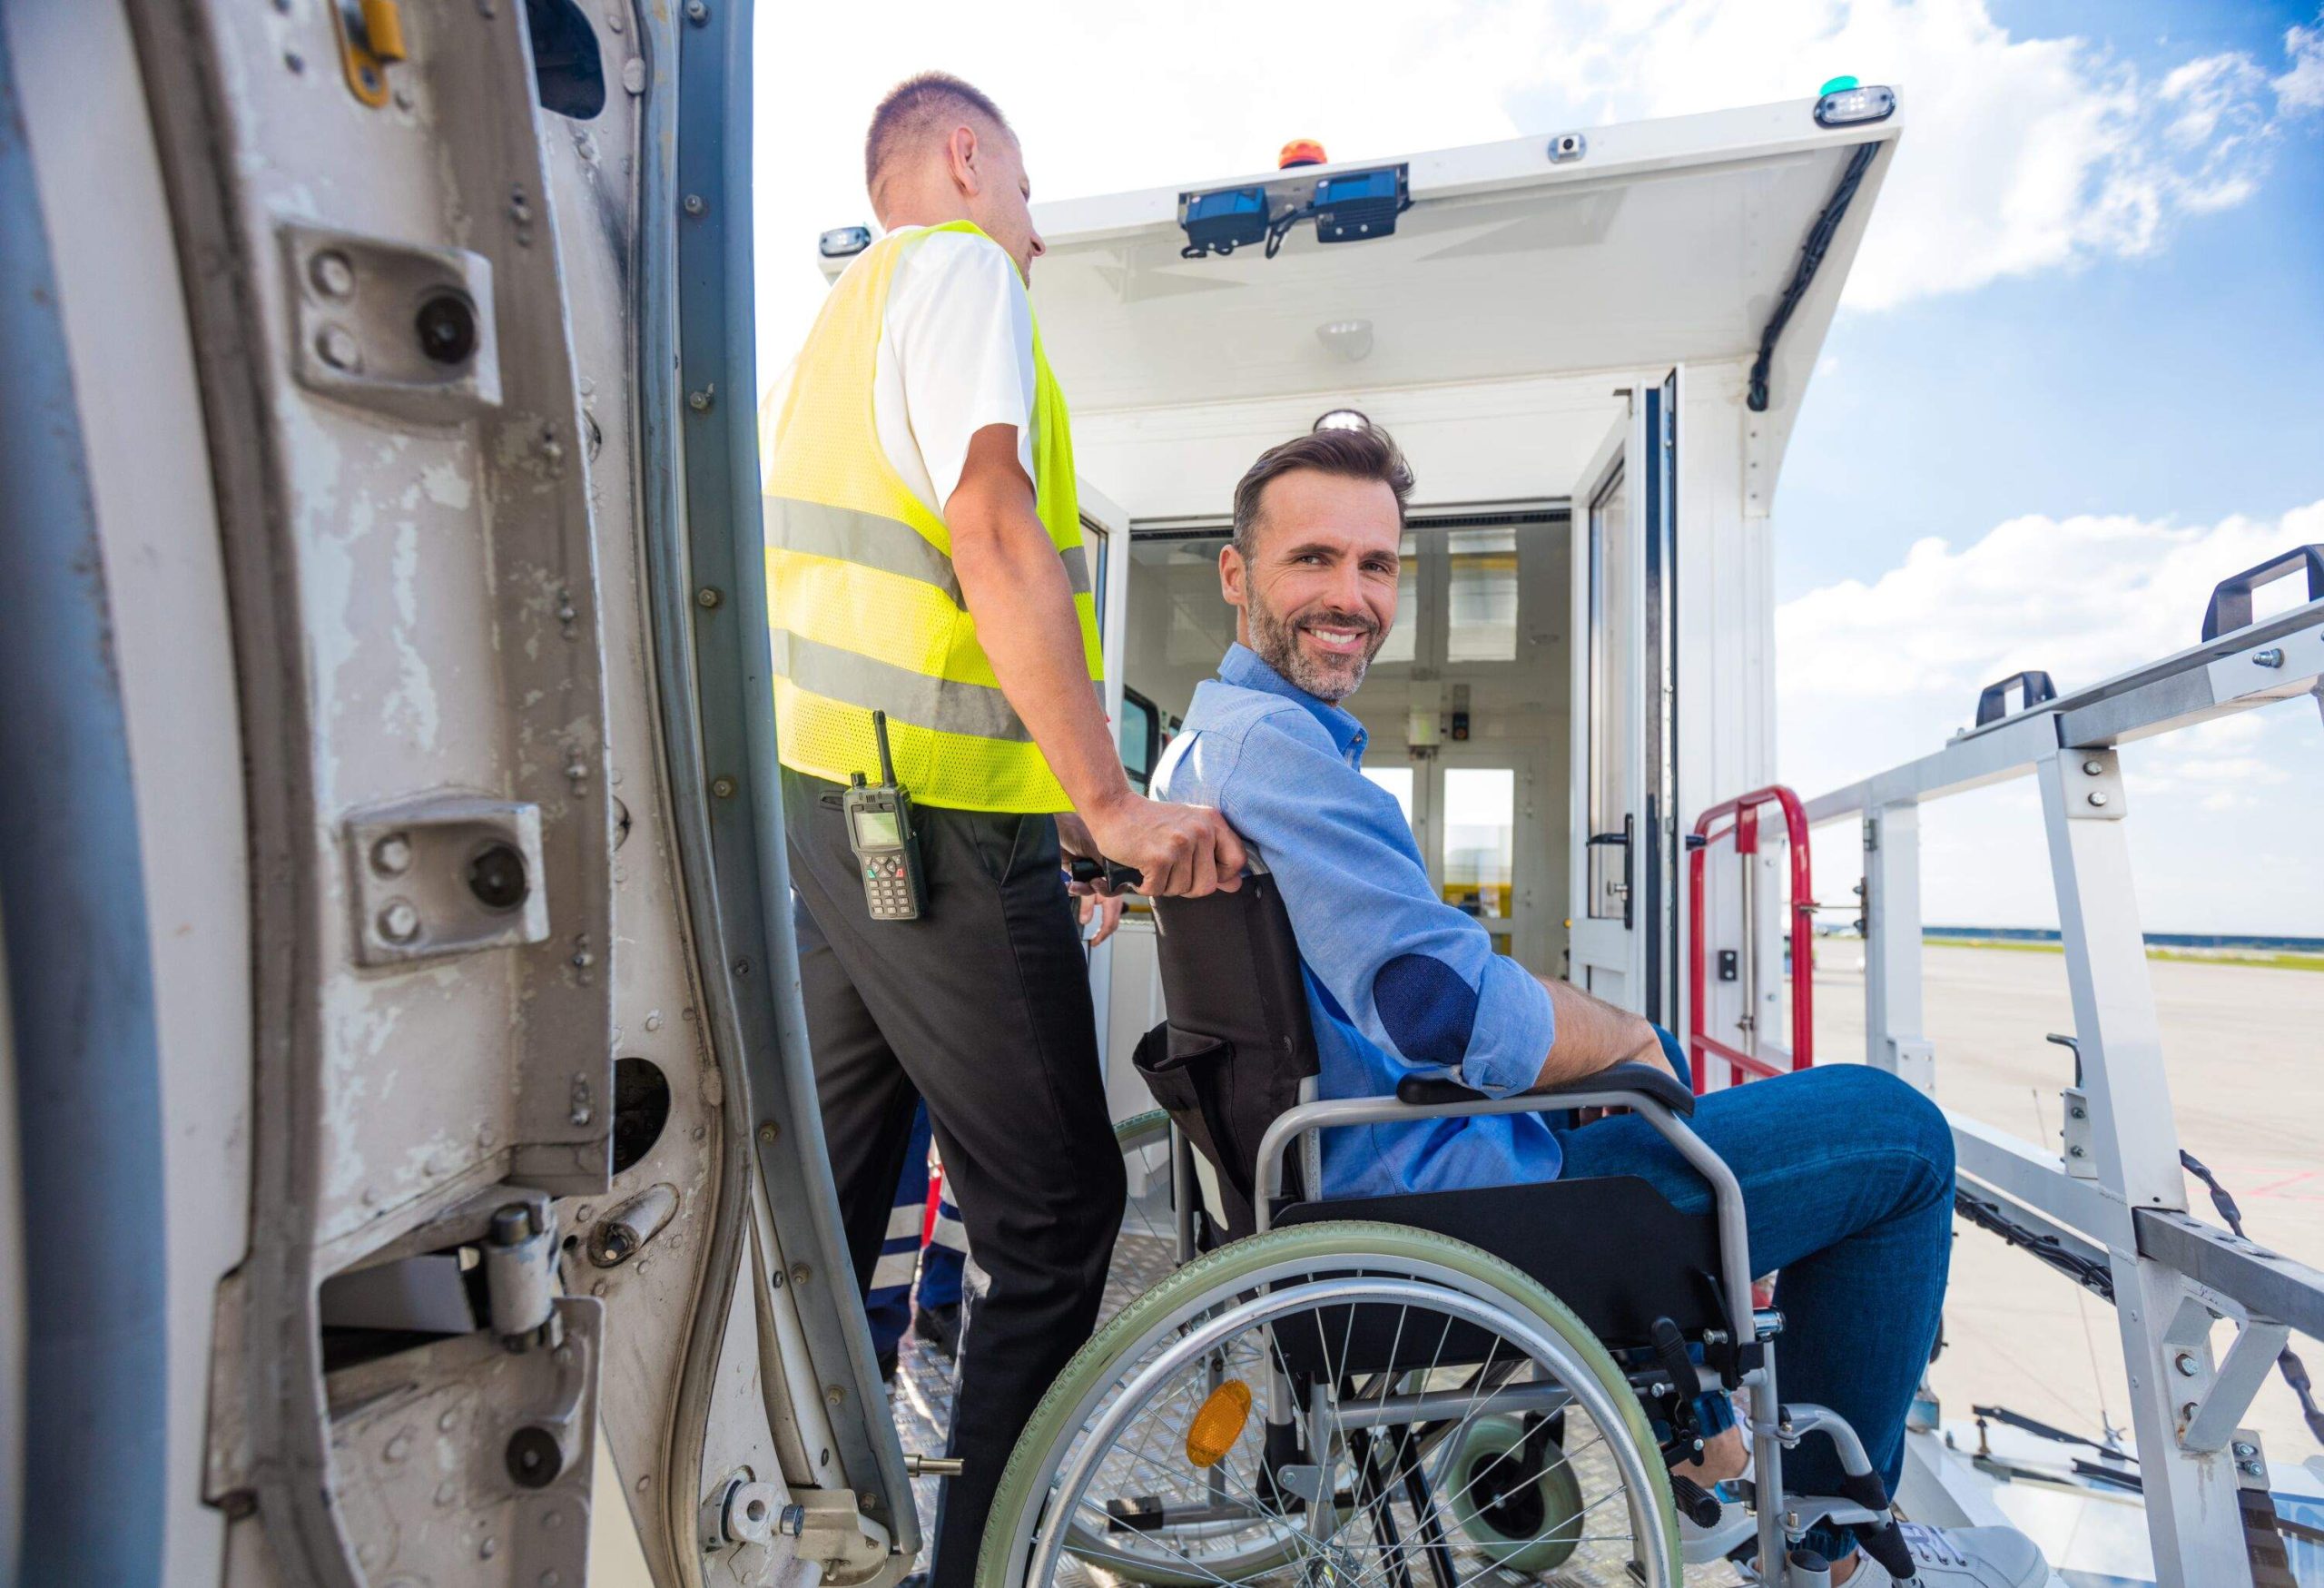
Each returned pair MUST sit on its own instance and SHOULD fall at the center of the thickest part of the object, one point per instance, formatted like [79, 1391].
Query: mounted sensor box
[1360, 204]
[1223, 221]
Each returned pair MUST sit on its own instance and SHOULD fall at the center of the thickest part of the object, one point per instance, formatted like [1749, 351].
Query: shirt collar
[1243, 667]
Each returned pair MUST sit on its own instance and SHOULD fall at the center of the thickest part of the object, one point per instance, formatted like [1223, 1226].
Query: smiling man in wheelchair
[1345, 1045]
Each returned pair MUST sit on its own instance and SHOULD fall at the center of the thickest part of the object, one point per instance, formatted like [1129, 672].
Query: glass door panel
[1481, 596]
[1402, 640]
[1480, 863]
[1613, 702]
[1610, 838]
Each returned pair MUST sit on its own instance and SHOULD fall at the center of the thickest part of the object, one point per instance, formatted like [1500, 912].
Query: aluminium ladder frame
[2173, 1274]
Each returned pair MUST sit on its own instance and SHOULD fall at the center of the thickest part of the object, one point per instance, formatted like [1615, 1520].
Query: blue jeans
[1847, 1185]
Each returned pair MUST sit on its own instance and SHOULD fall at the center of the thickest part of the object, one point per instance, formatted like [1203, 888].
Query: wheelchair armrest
[1645, 1080]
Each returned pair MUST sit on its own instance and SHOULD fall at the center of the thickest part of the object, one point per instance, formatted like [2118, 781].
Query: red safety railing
[1743, 815]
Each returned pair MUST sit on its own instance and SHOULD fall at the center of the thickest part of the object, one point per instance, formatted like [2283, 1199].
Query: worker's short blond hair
[921, 107]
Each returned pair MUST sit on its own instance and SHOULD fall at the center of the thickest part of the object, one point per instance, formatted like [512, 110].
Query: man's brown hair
[912, 110]
[1365, 452]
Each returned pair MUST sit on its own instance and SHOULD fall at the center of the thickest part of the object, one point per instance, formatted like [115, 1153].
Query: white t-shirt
[956, 354]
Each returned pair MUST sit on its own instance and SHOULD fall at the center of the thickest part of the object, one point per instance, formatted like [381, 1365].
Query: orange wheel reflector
[1300, 152]
[1218, 1424]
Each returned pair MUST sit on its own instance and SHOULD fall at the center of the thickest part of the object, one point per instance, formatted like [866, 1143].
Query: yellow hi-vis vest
[864, 611]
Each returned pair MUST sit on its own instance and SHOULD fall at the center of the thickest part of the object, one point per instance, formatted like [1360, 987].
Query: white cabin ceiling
[1673, 247]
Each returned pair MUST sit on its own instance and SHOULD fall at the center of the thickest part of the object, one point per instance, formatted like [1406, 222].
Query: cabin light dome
[1350, 338]
[1343, 418]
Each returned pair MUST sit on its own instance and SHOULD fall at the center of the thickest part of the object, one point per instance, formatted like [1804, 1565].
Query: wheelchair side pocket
[1180, 1067]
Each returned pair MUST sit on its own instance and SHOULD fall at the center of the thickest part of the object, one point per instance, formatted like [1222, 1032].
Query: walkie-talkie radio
[879, 829]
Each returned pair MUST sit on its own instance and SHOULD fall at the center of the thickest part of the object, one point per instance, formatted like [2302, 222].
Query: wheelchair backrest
[1237, 1043]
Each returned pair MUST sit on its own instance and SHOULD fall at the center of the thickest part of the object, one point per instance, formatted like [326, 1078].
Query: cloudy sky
[2078, 375]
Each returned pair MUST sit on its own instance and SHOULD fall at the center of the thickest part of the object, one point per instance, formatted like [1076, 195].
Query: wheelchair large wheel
[1296, 1406]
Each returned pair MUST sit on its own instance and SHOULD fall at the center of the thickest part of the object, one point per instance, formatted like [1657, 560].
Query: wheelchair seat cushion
[1612, 1247]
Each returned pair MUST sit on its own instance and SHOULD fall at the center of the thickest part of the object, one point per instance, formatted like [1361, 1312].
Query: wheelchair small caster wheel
[1516, 1498]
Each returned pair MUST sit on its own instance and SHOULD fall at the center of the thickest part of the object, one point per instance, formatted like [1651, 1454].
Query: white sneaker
[1961, 1557]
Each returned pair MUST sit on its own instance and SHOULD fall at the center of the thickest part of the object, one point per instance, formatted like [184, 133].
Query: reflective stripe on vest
[864, 612]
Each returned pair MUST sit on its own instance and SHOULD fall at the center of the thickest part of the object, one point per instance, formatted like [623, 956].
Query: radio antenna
[879, 733]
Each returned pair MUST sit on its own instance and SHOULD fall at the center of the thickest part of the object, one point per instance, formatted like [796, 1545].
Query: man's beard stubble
[1277, 644]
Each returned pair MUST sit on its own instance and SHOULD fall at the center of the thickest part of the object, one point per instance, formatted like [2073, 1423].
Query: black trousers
[981, 1007]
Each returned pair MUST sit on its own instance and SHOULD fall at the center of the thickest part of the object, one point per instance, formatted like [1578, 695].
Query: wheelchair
[1418, 1391]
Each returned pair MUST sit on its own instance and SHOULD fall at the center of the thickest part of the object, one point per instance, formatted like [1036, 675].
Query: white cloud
[2080, 598]
[1870, 676]
[2301, 87]
[2022, 154]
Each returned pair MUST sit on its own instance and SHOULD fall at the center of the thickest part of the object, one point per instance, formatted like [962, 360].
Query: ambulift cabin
[1593, 348]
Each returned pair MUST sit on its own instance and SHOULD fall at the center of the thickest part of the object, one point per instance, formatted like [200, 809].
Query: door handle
[1622, 890]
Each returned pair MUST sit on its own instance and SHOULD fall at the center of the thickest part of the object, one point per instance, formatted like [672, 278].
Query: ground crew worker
[924, 559]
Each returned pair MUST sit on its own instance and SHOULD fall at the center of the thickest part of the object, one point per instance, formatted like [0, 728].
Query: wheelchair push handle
[1105, 876]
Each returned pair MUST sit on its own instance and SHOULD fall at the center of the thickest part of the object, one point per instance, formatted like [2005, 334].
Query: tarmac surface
[2243, 1046]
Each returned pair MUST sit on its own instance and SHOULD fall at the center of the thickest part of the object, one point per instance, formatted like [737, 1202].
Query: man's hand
[1183, 851]
[1593, 1035]
[1104, 909]
[1646, 1050]
[1073, 840]
[1649, 1050]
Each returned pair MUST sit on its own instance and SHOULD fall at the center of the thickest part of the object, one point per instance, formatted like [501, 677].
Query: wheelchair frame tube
[1430, 1405]
[1727, 1195]
[1182, 1192]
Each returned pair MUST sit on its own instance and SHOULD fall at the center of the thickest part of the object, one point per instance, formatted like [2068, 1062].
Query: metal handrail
[1743, 815]
[2120, 1198]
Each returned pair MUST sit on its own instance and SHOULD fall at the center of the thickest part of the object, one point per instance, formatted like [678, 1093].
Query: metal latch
[371, 39]
[445, 875]
[521, 1276]
[830, 1528]
[741, 1510]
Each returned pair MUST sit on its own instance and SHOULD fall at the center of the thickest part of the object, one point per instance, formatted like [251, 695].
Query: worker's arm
[1015, 589]
[1592, 1035]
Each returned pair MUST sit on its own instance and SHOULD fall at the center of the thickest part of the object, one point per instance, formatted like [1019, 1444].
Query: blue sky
[2210, 351]
[2078, 374]
[2168, 397]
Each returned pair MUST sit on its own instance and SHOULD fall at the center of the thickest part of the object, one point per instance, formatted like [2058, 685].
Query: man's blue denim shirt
[1398, 982]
